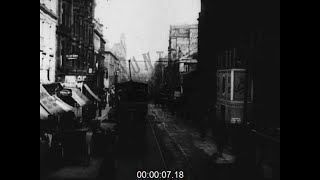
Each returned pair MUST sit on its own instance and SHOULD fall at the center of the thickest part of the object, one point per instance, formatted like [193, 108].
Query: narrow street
[159, 89]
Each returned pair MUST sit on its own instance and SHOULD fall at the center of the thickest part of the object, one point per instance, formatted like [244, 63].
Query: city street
[127, 91]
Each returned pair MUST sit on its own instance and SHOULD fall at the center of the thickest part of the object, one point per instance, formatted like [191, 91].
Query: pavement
[199, 159]
[182, 132]
[90, 172]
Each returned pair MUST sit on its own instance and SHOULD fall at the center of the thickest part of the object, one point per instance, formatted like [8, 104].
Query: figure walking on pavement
[221, 135]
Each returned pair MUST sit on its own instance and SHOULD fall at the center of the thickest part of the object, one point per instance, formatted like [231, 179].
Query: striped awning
[49, 102]
[80, 98]
[92, 94]
[66, 107]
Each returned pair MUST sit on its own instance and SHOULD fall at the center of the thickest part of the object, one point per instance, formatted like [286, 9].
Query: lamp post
[130, 70]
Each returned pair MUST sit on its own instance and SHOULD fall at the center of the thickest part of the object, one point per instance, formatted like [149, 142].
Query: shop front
[68, 138]
[96, 105]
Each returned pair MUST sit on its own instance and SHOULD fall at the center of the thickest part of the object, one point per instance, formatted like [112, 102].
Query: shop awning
[48, 102]
[43, 113]
[53, 87]
[62, 104]
[80, 98]
[92, 94]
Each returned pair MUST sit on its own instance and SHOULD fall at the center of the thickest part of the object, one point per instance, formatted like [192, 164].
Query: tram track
[173, 155]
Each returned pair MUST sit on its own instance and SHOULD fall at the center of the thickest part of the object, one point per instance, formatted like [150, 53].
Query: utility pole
[130, 69]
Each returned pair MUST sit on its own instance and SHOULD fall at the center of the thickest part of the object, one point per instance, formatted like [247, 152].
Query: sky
[145, 23]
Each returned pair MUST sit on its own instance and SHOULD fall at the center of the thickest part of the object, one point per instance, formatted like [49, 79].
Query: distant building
[99, 49]
[111, 65]
[183, 49]
[48, 23]
[120, 50]
[183, 40]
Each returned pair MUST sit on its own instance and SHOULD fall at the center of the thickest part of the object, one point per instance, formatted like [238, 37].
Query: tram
[131, 111]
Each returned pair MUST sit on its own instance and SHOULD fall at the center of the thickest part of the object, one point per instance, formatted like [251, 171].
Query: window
[80, 28]
[90, 60]
[186, 68]
[63, 14]
[229, 90]
[48, 74]
[78, 60]
[62, 53]
[223, 84]
[91, 36]
[50, 38]
[74, 25]
[218, 84]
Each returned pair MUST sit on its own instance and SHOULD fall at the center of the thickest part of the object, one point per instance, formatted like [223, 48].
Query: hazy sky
[145, 23]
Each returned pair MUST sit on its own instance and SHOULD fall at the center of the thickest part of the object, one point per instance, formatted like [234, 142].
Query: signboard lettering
[72, 56]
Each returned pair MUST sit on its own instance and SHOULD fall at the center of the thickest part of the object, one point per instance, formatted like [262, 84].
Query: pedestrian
[221, 135]
[203, 121]
[111, 100]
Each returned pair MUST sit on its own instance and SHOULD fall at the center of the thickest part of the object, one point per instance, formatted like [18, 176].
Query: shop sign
[72, 56]
[70, 79]
[81, 78]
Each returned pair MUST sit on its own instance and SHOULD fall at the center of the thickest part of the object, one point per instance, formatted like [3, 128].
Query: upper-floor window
[74, 25]
[223, 84]
[62, 53]
[186, 68]
[78, 61]
[50, 37]
[63, 14]
[218, 84]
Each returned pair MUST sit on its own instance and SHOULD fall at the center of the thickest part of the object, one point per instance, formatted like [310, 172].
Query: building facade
[252, 28]
[183, 40]
[99, 49]
[120, 51]
[75, 62]
[111, 65]
[231, 86]
[48, 24]
[75, 49]
[182, 50]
